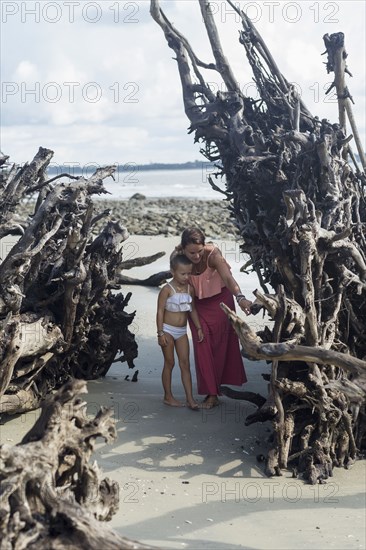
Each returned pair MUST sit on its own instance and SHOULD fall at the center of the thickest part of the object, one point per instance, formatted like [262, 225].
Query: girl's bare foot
[173, 402]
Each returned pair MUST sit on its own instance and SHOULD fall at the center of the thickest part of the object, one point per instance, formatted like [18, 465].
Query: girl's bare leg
[166, 376]
[182, 348]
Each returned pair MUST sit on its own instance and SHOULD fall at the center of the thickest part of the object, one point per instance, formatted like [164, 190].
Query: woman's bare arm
[195, 318]
[217, 261]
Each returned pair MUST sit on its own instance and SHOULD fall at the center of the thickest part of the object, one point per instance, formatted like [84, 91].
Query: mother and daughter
[201, 280]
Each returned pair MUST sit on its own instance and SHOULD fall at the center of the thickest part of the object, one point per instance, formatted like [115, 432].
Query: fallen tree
[51, 496]
[60, 313]
[297, 197]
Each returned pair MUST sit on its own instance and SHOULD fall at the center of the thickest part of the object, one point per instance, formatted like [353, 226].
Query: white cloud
[126, 100]
[26, 71]
[103, 144]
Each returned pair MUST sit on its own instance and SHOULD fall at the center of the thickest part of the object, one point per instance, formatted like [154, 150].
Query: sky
[97, 83]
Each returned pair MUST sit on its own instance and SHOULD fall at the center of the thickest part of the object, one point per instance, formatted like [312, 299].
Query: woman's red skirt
[218, 359]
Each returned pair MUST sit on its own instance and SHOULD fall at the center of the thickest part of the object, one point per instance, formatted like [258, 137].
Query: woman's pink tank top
[209, 282]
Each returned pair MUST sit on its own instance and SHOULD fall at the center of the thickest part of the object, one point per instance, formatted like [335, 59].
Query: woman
[218, 359]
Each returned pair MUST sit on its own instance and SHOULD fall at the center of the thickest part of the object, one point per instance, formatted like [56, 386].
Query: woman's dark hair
[192, 235]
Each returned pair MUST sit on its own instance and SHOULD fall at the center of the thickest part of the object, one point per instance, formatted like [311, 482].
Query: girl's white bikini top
[179, 301]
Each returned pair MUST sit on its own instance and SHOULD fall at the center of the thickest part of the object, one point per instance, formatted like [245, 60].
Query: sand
[191, 479]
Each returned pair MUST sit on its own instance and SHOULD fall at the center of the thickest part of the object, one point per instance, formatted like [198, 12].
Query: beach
[170, 216]
[192, 479]
[157, 216]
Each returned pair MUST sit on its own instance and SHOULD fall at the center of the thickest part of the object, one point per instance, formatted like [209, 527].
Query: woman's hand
[200, 334]
[244, 305]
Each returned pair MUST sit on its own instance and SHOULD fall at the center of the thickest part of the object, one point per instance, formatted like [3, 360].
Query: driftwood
[153, 280]
[297, 195]
[51, 496]
[60, 312]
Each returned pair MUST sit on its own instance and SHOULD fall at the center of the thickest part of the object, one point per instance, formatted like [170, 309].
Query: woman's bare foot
[172, 402]
[193, 405]
[210, 402]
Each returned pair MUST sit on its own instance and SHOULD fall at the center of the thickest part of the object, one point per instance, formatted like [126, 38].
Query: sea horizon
[158, 184]
[155, 180]
[189, 184]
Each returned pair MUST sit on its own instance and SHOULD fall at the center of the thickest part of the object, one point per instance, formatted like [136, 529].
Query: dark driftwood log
[137, 262]
[154, 280]
[299, 207]
[254, 398]
[51, 496]
[59, 313]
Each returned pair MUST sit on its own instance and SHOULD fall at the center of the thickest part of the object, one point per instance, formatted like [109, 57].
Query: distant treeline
[75, 169]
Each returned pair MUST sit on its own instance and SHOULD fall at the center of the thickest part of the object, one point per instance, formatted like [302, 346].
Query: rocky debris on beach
[169, 216]
[163, 216]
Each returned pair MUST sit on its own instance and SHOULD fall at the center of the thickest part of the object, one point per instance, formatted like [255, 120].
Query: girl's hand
[200, 334]
[244, 305]
[162, 341]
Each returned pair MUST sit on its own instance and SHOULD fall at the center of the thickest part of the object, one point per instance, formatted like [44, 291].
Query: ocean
[192, 184]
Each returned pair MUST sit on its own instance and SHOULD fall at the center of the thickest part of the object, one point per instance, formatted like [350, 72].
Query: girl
[175, 303]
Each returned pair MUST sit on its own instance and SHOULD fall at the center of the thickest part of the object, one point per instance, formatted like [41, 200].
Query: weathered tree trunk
[51, 496]
[60, 314]
[300, 209]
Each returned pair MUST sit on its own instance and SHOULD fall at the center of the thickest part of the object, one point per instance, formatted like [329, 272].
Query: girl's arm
[217, 261]
[162, 298]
